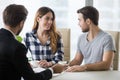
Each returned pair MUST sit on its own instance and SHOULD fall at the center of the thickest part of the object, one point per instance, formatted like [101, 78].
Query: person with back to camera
[13, 61]
[95, 46]
[44, 42]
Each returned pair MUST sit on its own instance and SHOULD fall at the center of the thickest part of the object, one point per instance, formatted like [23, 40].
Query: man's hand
[58, 68]
[76, 68]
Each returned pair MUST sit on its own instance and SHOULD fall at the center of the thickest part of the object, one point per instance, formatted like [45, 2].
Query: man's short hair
[89, 12]
[14, 14]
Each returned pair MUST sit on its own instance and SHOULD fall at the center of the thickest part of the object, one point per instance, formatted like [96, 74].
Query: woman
[44, 42]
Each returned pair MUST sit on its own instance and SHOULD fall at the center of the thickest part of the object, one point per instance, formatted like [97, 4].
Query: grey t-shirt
[93, 51]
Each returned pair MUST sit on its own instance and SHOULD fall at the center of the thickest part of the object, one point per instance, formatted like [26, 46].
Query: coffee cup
[34, 63]
[62, 62]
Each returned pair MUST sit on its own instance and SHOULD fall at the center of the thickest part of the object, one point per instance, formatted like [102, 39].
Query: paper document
[38, 69]
[57, 74]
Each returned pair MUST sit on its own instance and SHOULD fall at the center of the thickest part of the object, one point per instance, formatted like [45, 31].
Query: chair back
[65, 33]
[115, 35]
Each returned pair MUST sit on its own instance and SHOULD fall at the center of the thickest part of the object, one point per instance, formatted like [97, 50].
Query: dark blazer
[13, 61]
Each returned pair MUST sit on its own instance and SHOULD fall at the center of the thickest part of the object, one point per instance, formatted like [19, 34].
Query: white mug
[62, 62]
[34, 63]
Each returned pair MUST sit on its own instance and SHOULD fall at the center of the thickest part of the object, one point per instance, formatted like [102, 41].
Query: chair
[115, 35]
[65, 32]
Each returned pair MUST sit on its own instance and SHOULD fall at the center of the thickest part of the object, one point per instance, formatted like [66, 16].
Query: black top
[13, 61]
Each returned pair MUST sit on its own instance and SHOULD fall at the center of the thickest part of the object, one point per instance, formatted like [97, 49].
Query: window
[109, 14]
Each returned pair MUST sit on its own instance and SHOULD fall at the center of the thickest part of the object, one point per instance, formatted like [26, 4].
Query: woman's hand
[45, 64]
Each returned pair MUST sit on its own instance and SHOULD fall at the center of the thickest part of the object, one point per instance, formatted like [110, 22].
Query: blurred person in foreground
[13, 61]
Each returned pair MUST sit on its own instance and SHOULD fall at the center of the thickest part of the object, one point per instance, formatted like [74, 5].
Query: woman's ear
[38, 19]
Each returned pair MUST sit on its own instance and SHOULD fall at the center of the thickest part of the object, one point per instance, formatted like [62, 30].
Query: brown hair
[52, 32]
[14, 14]
[91, 13]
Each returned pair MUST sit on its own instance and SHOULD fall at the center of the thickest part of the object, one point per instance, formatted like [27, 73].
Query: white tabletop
[91, 75]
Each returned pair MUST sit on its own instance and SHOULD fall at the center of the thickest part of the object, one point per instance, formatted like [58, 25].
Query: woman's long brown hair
[54, 36]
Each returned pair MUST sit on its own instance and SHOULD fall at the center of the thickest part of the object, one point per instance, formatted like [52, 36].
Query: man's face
[82, 23]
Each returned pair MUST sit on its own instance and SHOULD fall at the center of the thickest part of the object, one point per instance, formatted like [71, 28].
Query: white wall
[73, 23]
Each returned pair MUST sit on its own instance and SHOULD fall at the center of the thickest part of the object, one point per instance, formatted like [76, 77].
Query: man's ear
[22, 23]
[88, 21]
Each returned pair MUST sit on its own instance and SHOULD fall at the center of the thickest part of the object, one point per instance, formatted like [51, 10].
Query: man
[95, 46]
[13, 61]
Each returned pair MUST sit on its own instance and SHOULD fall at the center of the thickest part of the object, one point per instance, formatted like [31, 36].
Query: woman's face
[46, 21]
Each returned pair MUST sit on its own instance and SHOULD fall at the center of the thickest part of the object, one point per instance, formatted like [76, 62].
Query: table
[88, 75]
